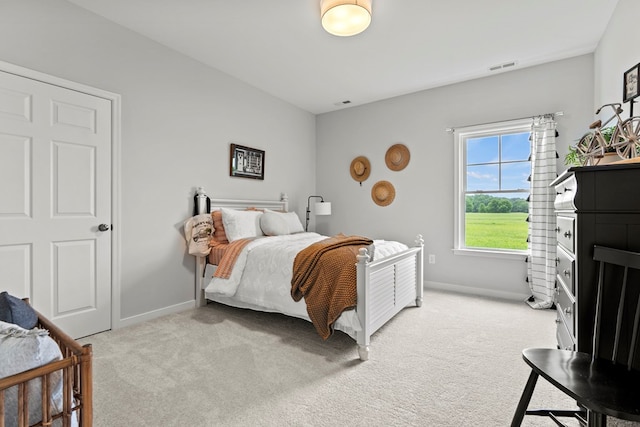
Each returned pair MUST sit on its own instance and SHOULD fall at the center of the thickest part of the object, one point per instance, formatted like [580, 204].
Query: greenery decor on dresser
[572, 158]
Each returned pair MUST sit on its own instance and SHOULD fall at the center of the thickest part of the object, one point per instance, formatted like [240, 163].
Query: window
[492, 182]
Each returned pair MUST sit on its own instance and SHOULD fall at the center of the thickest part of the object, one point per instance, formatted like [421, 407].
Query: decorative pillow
[16, 311]
[273, 224]
[278, 223]
[23, 349]
[241, 224]
[219, 235]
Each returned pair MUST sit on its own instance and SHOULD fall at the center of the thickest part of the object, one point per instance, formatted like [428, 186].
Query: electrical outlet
[432, 259]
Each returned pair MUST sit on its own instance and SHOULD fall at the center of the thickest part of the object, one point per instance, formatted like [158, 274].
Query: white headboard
[276, 205]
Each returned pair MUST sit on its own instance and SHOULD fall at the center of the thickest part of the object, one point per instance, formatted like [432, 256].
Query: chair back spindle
[623, 294]
[598, 318]
[634, 335]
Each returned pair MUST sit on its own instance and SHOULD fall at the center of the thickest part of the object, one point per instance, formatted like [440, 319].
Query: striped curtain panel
[541, 262]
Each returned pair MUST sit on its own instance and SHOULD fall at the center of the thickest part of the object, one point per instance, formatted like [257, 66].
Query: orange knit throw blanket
[324, 273]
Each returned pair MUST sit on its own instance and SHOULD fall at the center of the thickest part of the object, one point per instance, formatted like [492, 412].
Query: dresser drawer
[565, 194]
[564, 337]
[566, 232]
[565, 269]
[566, 307]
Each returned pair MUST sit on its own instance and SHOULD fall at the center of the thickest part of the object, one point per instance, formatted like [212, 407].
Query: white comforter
[261, 277]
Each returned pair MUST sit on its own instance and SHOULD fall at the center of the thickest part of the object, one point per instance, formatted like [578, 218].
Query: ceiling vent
[503, 66]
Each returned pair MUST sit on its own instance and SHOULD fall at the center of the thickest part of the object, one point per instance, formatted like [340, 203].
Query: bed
[389, 275]
[28, 396]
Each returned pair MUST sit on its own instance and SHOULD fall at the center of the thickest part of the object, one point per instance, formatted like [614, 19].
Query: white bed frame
[385, 286]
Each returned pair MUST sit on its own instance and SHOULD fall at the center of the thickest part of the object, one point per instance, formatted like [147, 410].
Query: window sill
[515, 256]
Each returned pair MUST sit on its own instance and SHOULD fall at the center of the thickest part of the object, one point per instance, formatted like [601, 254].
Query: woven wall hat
[360, 168]
[383, 193]
[397, 157]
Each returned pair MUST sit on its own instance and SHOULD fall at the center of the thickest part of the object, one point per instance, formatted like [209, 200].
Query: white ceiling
[411, 45]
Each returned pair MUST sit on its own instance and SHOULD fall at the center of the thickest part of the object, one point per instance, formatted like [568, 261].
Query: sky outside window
[498, 162]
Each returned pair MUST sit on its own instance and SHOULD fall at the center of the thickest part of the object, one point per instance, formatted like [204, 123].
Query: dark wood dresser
[594, 205]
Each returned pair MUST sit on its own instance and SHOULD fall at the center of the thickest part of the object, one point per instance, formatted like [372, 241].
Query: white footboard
[385, 287]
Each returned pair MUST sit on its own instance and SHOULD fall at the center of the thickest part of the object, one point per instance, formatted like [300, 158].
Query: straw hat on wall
[383, 193]
[360, 168]
[397, 157]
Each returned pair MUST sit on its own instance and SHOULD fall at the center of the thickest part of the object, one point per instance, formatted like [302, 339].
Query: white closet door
[55, 191]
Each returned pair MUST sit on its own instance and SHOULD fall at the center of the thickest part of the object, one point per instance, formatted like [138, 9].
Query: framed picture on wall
[631, 83]
[246, 162]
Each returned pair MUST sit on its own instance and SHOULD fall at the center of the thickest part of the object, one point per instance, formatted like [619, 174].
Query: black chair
[602, 384]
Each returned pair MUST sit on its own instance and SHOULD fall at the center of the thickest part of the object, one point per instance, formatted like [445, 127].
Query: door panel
[15, 104]
[74, 286]
[15, 265]
[15, 168]
[55, 189]
[73, 179]
[74, 116]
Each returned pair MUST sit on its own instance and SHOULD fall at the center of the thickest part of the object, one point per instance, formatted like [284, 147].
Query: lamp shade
[345, 17]
[323, 208]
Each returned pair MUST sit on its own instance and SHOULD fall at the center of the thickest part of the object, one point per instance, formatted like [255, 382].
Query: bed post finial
[363, 255]
[202, 204]
[285, 200]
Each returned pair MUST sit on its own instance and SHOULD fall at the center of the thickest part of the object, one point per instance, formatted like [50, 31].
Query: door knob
[103, 227]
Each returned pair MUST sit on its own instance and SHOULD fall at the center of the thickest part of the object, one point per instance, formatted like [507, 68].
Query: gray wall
[618, 50]
[178, 118]
[424, 200]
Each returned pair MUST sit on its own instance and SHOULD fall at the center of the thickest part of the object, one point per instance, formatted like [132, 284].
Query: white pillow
[280, 223]
[273, 224]
[21, 350]
[241, 224]
[295, 226]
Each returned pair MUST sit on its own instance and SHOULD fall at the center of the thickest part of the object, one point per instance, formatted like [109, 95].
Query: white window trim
[459, 180]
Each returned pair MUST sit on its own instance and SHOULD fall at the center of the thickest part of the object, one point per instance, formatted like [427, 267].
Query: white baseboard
[138, 318]
[154, 314]
[513, 296]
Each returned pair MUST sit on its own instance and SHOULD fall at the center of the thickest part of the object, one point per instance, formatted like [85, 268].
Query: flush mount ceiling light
[345, 17]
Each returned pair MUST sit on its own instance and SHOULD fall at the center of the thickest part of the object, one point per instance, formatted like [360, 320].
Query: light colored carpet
[456, 361]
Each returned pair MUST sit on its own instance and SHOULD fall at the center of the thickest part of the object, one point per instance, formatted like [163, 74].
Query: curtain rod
[558, 113]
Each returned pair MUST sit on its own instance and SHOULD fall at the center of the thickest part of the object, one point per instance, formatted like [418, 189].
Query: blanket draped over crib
[325, 274]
